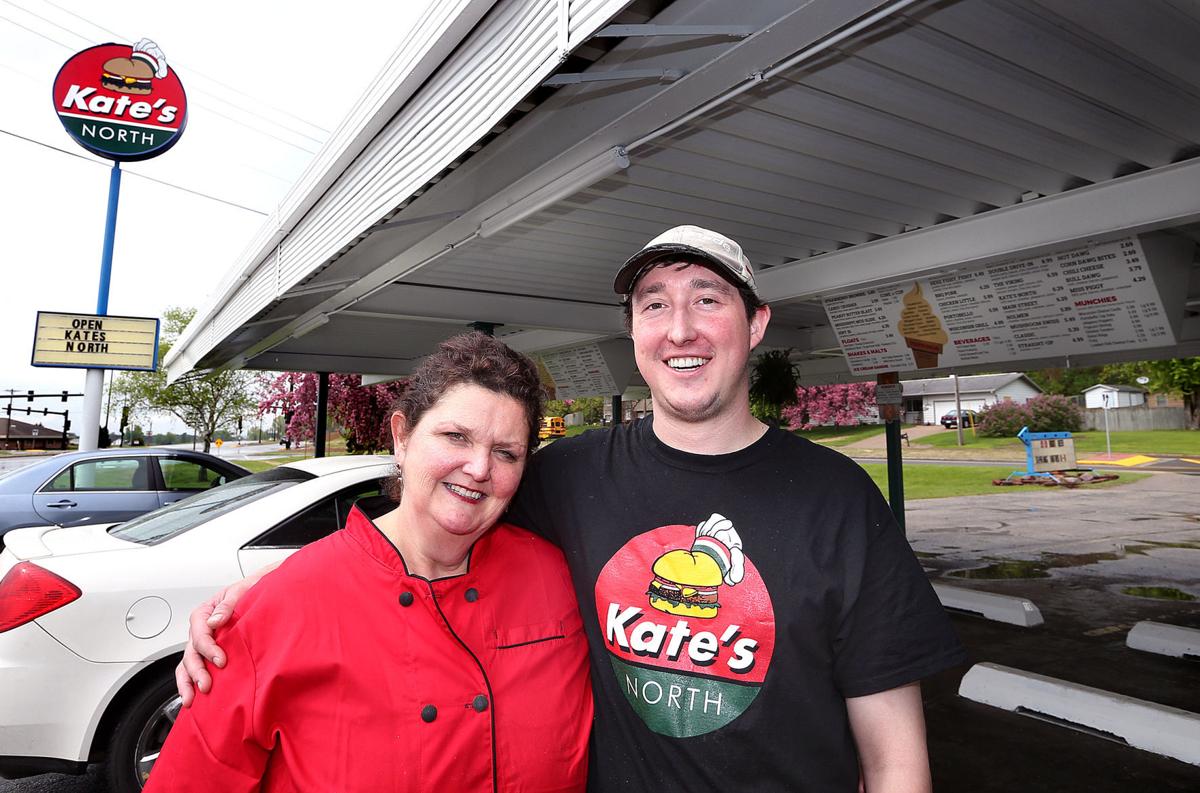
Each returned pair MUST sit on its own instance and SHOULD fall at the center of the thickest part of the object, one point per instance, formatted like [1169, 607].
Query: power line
[47, 21]
[96, 25]
[206, 107]
[210, 79]
[133, 173]
[34, 32]
[241, 123]
[268, 119]
[259, 130]
[237, 163]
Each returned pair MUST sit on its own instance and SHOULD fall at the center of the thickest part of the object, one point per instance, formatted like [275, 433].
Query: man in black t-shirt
[755, 617]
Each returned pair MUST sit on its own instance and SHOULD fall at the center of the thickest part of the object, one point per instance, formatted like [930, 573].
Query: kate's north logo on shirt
[688, 624]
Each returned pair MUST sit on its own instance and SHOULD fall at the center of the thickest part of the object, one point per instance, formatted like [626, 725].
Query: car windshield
[186, 514]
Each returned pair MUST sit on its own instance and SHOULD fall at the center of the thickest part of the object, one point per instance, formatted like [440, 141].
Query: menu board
[579, 372]
[1090, 298]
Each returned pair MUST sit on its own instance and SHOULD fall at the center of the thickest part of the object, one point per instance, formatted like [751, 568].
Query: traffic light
[124, 417]
[66, 425]
[29, 396]
[64, 396]
[239, 423]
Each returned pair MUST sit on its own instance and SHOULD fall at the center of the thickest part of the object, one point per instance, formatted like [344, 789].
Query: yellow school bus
[552, 427]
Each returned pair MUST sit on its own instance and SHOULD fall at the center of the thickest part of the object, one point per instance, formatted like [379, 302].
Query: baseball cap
[688, 243]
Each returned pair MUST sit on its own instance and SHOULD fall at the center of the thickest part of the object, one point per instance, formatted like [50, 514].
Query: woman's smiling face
[461, 463]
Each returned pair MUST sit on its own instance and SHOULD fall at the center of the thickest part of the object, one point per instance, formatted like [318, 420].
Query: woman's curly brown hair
[471, 359]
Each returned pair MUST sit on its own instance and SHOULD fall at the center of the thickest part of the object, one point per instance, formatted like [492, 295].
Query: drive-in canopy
[514, 152]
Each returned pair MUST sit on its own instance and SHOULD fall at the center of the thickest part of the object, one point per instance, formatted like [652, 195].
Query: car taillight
[28, 591]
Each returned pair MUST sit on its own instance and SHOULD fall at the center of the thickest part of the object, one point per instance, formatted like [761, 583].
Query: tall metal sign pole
[122, 103]
[93, 384]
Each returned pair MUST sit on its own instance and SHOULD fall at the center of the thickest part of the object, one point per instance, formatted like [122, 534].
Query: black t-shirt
[724, 668]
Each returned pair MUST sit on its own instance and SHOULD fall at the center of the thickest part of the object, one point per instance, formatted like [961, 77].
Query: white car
[93, 619]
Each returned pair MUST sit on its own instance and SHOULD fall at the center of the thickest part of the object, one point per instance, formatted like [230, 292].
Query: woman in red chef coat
[445, 652]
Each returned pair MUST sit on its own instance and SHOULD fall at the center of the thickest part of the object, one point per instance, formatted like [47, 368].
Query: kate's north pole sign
[121, 102]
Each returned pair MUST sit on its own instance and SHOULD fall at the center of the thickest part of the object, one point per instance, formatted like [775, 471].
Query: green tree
[773, 384]
[591, 407]
[1123, 373]
[1066, 382]
[206, 401]
[1178, 375]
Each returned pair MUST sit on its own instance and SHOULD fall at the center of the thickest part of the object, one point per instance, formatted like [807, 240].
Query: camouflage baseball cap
[688, 243]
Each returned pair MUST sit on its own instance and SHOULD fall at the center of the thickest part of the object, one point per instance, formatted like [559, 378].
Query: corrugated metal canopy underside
[943, 115]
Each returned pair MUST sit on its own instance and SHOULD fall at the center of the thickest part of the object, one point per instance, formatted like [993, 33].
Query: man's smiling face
[692, 341]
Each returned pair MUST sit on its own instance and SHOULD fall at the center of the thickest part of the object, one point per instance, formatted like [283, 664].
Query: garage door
[943, 406]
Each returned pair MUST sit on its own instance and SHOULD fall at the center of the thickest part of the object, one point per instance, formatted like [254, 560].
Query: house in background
[1119, 396]
[1163, 399]
[22, 436]
[926, 401]
[1136, 411]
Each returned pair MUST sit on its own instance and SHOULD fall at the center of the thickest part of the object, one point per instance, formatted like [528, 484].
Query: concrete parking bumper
[1143, 725]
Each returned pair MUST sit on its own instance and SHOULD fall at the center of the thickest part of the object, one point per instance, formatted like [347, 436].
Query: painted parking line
[1123, 460]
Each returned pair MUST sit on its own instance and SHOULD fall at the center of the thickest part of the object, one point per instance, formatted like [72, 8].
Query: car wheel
[139, 735]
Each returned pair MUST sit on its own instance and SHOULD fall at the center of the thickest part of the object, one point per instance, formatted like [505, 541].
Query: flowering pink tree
[360, 411]
[294, 394]
[843, 405]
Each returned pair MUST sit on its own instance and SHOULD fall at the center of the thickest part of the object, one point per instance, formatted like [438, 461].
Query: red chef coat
[346, 673]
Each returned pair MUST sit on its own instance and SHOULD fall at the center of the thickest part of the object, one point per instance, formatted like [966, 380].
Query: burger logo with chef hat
[135, 74]
[691, 648]
[121, 101]
[687, 582]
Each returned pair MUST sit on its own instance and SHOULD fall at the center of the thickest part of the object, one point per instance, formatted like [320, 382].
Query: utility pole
[958, 422]
[108, 408]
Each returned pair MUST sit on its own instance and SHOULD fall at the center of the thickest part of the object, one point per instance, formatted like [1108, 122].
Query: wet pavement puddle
[1001, 569]
[1157, 592]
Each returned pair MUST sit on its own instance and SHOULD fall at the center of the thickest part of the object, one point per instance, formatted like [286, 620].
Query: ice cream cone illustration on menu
[921, 329]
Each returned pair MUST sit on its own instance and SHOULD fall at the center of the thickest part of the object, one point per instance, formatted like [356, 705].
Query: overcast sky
[266, 84]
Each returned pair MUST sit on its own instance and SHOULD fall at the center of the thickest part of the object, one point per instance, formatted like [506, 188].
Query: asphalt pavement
[228, 451]
[1071, 552]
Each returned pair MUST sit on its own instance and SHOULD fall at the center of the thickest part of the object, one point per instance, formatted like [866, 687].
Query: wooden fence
[1136, 418]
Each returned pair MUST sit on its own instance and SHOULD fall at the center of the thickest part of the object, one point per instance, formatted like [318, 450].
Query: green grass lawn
[920, 481]
[840, 436]
[578, 428]
[942, 481]
[949, 440]
[1181, 442]
[254, 466]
